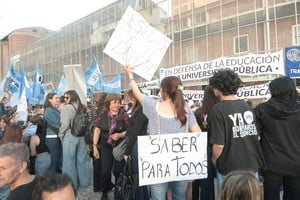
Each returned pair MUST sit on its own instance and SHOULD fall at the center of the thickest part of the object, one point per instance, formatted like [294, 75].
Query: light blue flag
[93, 77]
[63, 86]
[98, 85]
[93, 73]
[113, 86]
[38, 91]
[22, 108]
[14, 79]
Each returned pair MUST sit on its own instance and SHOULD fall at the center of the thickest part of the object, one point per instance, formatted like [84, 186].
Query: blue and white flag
[15, 80]
[38, 90]
[63, 86]
[11, 82]
[22, 108]
[93, 73]
[113, 86]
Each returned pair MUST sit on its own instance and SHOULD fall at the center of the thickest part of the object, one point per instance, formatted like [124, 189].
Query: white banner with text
[172, 157]
[248, 65]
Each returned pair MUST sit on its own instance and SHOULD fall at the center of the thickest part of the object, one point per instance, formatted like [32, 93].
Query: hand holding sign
[136, 43]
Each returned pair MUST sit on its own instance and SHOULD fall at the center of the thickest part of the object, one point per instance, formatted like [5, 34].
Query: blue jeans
[220, 180]
[76, 160]
[4, 192]
[55, 151]
[42, 163]
[178, 188]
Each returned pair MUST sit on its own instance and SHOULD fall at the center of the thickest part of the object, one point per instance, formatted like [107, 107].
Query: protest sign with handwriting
[172, 157]
[135, 43]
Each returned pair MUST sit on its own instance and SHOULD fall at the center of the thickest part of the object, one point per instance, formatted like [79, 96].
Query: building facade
[201, 30]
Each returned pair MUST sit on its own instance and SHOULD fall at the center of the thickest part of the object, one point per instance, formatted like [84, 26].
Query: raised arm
[135, 88]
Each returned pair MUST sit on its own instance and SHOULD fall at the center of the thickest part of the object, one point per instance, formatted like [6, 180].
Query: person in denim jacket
[52, 118]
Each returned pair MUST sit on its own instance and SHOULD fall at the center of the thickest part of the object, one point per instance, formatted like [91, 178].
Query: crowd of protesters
[245, 145]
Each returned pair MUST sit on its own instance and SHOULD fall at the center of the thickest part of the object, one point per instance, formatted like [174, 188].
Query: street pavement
[89, 194]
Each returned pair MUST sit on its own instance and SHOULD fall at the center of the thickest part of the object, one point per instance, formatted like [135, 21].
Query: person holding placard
[174, 116]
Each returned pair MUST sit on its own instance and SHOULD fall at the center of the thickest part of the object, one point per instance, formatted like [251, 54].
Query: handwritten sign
[248, 65]
[172, 157]
[136, 43]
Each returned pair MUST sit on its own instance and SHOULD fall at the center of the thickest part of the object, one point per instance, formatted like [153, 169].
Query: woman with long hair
[52, 119]
[137, 126]
[96, 161]
[38, 147]
[12, 133]
[76, 160]
[174, 117]
[202, 116]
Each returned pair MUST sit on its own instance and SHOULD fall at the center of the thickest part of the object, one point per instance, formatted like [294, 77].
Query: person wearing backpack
[76, 161]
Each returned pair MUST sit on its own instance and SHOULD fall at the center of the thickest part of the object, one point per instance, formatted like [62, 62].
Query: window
[241, 44]
[176, 25]
[191, 53]
[296, 34]
[186, 22]
[200, 18]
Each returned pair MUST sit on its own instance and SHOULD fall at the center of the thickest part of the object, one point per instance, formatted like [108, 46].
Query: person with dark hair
[174, 117]
[278, 122]
[138, 123]
[14, 161]
[110, 128]
[76, 161]
[3, 125]
[12, 133]
[202, 116]
[52, 118]
[97, 162]
[241, 185]
[39, 151]
[233, 133]
[54, 186]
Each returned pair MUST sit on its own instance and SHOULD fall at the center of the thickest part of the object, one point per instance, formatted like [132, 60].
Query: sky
[50, 14]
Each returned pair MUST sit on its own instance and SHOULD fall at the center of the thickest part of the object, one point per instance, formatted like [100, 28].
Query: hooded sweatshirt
[278, 122]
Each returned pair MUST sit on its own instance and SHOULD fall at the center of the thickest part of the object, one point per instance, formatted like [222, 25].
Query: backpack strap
[74, 108]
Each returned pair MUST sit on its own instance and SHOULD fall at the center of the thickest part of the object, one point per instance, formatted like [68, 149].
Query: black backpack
[80, 123]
